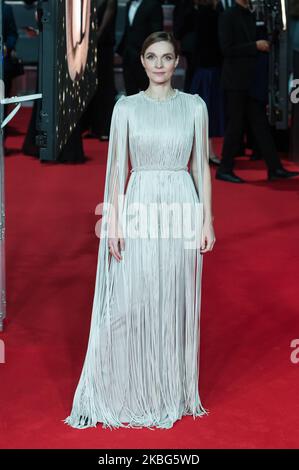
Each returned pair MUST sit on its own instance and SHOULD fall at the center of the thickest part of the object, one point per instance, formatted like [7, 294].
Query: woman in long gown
[142, 363]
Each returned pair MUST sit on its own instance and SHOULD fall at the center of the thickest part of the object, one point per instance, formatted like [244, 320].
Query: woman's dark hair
[159, 36]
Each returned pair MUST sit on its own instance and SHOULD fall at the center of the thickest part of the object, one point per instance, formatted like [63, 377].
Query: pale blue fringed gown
[142, 363]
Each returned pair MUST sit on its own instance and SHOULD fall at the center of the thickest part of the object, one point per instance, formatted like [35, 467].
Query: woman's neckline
[155, 100]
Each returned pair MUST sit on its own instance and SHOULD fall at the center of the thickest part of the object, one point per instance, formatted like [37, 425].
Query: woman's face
[159, 62]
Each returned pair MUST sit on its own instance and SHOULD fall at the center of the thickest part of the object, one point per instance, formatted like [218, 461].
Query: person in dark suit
[143, 17]
[243, 80]
[225, 4]
[184, 31]
[208, 60]
[248, 141]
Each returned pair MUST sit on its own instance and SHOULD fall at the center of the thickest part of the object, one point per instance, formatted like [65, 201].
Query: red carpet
[249, 309]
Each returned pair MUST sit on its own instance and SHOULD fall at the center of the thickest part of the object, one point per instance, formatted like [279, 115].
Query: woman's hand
[116, 245]
[116, 242]
[208, 237]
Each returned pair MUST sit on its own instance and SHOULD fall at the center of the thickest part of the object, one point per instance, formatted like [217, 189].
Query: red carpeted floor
[250, 309]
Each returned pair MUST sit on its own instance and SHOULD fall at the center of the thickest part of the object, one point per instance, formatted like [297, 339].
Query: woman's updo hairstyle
[159, 36]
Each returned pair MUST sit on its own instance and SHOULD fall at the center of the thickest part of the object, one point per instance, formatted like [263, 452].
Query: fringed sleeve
[84, 410]
[200, 150]
[115, 183]
[200, 153]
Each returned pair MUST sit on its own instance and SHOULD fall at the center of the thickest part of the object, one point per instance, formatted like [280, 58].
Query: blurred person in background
[143, 17]
[208, 62]
[245, 80]
[184, 32]
[225, 4]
